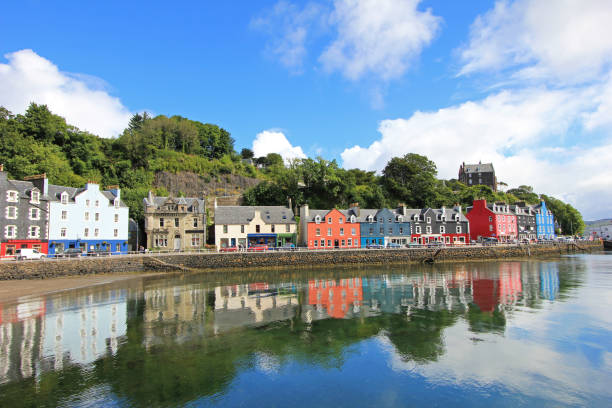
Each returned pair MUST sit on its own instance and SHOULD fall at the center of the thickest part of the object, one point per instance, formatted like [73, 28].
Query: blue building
[383, 227]
[545, 222]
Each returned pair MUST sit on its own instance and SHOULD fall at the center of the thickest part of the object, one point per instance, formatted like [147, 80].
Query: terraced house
[24, 215]
[446, 225]
[247, 226]
[384, 227]
[175, 223]
[545, 222]
[327, 229]
[492, 220]
[525, 221]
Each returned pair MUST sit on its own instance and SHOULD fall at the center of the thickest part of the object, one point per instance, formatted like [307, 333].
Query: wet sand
[16, 289]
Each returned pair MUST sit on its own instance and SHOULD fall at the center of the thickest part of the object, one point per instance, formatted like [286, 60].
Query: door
[177, 242]
[336, 244]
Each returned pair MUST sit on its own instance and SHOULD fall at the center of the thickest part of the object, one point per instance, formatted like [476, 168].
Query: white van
[28, 253]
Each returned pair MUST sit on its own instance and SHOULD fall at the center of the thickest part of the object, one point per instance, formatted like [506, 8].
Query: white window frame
[36, 211]
[417, 229]
[86, 216]
[9, 228]
[64, 215]
[35, 197]
[96, 232]
[63, 232]
[12, 196]
[15, 215]
[97, 217]
[341, 231]
[429, 220]
[115, 233]
[116, 217]
[329, 220]
[36, 230]
[318, 219]
[442, 229]
[86, 232]
[64, 198]
[458, 229]
[318, 232]
[329, 232]
[428, 229]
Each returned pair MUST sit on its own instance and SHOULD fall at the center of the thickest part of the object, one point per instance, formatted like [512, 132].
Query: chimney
[457, 207]
[355, 208]
[304, 211]
[402, 208]
[39, 181]
[215, 203]
[150, 197]
[115, 190]
[289, 203]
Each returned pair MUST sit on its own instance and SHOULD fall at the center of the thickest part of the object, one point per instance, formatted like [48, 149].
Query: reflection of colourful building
[510, 284]
[549, 281]
[335, 296]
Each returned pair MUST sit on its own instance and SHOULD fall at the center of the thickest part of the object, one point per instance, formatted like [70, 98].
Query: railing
[206, 251]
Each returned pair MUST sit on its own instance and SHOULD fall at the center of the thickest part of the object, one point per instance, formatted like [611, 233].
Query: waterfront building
[24, 214]
[545, 222]
[383, 227]
[337, 297]
[525, 221]
[599, 229]
[176, 223]
[326, 229]
[478, 174]
[447, 225]
[492, 220]
[87, 218]
[246, 226]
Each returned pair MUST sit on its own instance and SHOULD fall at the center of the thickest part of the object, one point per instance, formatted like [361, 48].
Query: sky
[524, 84]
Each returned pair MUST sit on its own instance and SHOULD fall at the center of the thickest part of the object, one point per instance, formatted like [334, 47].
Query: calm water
[533, 333]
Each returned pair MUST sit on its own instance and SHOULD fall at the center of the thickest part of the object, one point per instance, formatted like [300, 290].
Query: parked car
[98, 252]
[489, 241]
[435, 244]
[393, 245]
[414, 245]
[28, 253]
[229, 249]
[258, 247]
[374, 246]
[70, 253]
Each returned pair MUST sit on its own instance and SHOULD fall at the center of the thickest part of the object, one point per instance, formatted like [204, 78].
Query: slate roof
[270, 214]
[365, 212]
[190, 202]
[481, 167]
[56, 191]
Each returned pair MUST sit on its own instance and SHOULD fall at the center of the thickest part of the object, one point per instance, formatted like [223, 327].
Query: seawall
[218, 261]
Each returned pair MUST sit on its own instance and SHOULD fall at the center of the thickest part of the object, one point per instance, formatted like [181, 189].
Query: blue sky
[519, 83]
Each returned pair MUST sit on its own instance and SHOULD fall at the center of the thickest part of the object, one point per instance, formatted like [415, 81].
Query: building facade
[492, 220]
[174, 223]
[24, 215]
[327, 229]
[545, 222]
[525, 221]
[445, 225]
[383, 227]
[246, 226]
[87, 218]
[478, 174]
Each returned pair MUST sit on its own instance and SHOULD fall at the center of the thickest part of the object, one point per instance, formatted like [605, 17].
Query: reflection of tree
[490, 321]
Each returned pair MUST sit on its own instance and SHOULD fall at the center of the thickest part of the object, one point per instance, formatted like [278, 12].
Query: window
[272, 229]
[429, 220]
[161, 222]
[64, 215]
[401, 230]
[329, 243]
[316, 243]
[87, 203]
[11, 213]
[458, 229]
[341, 231]
[116, 202]
[442, 229]
[428, 230]
[343, 243]
[97, 203]
[116, 217]
[11, 196]
[350, 242]
[86, 232]
[10, 231]
[96, 232]
[86, 215]
[242, 229]
[353, 219]
[381, 230]
[353, 231]
[97, 216]
[318, 232]
[34, 214]
[195, 240]
[390, 230]
[329, 232]
[63, 232]
[176, 222]
[195, 223]
[225, 228]
[115, 232]
[287, 228]
[35, 197]
[64, 198]
[318, 219]
[490, 227]
[371, 230]
[490, 219]
[257, 229]
[418, 229]
[329, 220]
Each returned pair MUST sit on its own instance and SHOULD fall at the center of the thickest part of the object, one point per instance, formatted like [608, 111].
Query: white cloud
[28, 77]
[519, 131]
[565, 39]
[290, 29]
[270, 141]
[381, 37]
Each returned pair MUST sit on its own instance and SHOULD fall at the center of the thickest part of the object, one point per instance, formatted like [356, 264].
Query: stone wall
[304, 259]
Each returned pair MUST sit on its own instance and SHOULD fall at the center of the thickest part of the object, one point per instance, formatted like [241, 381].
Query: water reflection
[162, 341]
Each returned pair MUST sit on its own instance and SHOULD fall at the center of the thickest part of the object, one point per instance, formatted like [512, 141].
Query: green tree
[411, 179]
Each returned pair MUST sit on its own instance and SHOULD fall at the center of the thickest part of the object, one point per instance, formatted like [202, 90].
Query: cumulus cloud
[270, 141]
[28, 77]
[522, 132]
[566, 39]
[381, 37]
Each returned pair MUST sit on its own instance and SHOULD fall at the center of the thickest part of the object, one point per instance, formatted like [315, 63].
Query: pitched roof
[239, 214]
[480, 167]
[190, 202]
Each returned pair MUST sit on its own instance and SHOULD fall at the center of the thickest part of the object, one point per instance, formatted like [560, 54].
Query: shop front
[8, 248]
[262, 239]
[286, 239]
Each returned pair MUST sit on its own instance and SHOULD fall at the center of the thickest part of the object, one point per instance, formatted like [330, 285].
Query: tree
[411, 179]
[247, 154]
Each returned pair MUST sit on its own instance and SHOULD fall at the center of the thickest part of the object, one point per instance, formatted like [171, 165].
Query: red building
[334, 296]
[324, 229]
[492, 220]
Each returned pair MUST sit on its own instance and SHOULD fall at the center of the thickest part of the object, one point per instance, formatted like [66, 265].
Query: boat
[607, 244]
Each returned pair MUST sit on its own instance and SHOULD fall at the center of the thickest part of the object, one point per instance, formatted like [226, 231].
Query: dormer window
[370, 218]
[353, 219]
[35, 197]
[400, 218]
[11, 196]
[64, 198]
[429, 220]
[318, 219]
[116, 202]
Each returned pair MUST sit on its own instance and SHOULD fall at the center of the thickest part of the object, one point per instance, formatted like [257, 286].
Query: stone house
[175, 223]
[478, 174]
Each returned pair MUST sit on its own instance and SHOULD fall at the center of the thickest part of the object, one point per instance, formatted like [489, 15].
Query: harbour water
[511, 333]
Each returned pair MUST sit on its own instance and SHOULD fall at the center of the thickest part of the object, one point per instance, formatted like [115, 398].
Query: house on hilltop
[478, 174]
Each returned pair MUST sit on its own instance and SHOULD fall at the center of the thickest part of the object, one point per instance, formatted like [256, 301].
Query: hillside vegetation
[151, 150]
